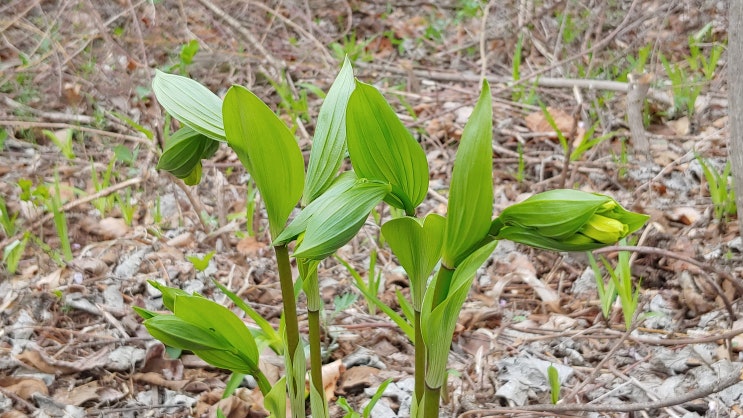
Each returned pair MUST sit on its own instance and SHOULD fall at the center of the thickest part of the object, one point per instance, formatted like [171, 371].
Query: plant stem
[441, 291]
[263, 384]
[431, 402]
[290, 319]
[420, 360]
[315, 355]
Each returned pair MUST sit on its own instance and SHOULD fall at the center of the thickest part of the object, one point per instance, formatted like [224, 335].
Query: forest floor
[81, 131]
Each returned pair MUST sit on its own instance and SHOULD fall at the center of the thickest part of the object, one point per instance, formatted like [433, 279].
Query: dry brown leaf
[110, 228]
[23, 387]
[250, 247]
[537, 122]
[331, 372]
[358, 378]
[35, 357]
[524, 270]
[78, 395]
[686, 215]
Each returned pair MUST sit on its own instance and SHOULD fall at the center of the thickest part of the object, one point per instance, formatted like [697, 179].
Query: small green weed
[721, 189]
[201, 263]
[370, 286]
[64, 143]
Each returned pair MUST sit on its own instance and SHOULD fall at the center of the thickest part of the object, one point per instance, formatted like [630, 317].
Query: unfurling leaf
[339, 219]
[267, 150]
[438, 322]
[329, 141]
[417, 245]
[191, 103]
[471, 191]
[183, 154]
[382, 149]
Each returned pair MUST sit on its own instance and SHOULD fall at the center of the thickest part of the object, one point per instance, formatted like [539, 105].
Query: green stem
[420, 360]
[315, 354]
[431, 402]
[441, 291]
[263, 384]
[290, 318]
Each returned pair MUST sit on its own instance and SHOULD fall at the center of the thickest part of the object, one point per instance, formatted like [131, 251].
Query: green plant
[607, 291]
[371, 285]
[201, 263]
[13, 252]
[685, 87]
[103, 204]
[352, 48]
[621, 277]
[389, 166]
[554, 381]
[64, 144]
[721, 189]
[7, 222]
[366, 413]
[60, 220]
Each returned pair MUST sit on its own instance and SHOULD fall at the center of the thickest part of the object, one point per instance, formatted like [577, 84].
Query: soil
[80, 72]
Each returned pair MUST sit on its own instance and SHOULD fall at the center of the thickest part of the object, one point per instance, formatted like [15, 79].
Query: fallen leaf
[23, 387]
[110, 228]
[250, 247]
[358, 378]
[78, 395]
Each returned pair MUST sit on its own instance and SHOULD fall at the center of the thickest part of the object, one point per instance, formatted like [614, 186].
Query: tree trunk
[735, 103]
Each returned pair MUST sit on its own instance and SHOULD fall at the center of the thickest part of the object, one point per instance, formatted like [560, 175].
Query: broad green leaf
[318, 403]
[169, 293]
[227, 360]
[437, 324]
[471, 192]
[345, 215]
[191, 103]
[184, 151]
[267, 150]
[329, 142]
[318, 206]
[211, 315]
[275, 401]
[177, 332]
[144, 313]
[271, 336]
[417, 245]
[381, 148]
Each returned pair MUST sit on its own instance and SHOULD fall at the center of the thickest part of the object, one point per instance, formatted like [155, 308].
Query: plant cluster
[440, 254]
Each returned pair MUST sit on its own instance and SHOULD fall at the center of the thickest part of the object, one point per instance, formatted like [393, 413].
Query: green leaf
[267, 150]
[169, 293]
[144, 313]
[554, 381]
[177, 332]
[227, 360]
[417, 245]
[329, 142]
[191, 103]
[275, 401]
[233, 383]
[211, 315]
[377, 396]
[184, 151]
[437, 324]
[318, 206]
[342, 219]
[471, 192]
[310, 283]
[272, 337]
[381, 148]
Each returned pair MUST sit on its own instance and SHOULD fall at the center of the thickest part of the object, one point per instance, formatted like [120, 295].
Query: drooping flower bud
[566, 220]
